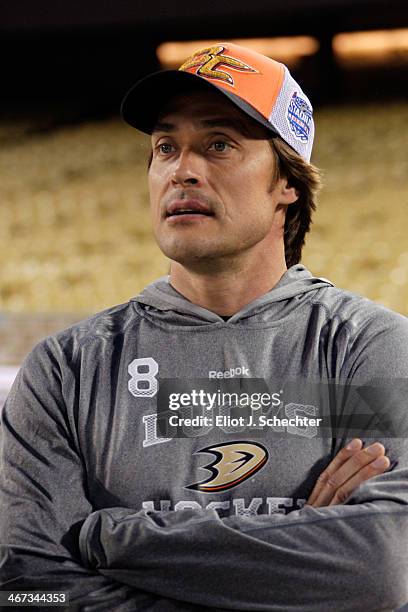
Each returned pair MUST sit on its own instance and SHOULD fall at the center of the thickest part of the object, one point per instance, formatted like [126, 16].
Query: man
[110, 492]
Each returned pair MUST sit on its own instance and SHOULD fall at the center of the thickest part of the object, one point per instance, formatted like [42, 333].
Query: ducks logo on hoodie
[234, 463]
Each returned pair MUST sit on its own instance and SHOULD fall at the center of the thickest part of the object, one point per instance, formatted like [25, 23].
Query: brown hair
[305, 178]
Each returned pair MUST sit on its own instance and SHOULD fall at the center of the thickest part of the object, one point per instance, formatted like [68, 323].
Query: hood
[161, 301]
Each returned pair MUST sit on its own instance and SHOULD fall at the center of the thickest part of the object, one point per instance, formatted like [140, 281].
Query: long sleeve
[43, 499]
[350, 557]
[347, 557]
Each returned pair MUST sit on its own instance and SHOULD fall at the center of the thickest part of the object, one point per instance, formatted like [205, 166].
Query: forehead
[207, 109]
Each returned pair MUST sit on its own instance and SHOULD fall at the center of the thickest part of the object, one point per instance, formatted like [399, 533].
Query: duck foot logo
[234, 463]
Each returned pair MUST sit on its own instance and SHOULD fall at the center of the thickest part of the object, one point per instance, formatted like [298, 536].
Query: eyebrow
[211, 123]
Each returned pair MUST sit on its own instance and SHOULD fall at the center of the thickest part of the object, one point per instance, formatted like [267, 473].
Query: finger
[342, 456]
[346, 471]
[351, 467]
[376, 467]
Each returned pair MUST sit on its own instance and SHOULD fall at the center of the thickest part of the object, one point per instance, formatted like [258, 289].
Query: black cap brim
[144, 101]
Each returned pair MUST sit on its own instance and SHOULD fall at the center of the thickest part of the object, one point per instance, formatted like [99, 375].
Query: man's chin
[192, 254]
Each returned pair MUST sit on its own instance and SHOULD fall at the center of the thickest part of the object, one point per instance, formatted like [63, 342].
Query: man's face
[209, 157]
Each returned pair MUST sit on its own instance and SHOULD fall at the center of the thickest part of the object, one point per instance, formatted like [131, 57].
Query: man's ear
[287, 194]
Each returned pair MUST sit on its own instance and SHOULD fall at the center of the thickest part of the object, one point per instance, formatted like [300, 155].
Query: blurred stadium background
[75, 233]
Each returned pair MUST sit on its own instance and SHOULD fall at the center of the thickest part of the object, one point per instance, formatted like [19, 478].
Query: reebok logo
[231, 373]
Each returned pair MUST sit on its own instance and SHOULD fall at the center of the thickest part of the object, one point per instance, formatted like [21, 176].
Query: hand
[350, 467]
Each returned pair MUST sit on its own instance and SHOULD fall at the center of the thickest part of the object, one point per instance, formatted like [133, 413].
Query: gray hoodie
[96, 500]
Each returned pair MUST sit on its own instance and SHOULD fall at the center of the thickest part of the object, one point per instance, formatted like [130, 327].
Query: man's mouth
[187, 211]
[191, 207]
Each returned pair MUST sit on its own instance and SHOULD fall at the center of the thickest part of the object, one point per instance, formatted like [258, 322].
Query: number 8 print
[148, 377]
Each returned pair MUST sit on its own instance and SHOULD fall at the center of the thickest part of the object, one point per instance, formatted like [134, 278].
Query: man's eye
[220, 146]
[165, 148]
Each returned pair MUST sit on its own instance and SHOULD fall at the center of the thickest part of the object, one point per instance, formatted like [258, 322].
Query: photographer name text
[176, 420]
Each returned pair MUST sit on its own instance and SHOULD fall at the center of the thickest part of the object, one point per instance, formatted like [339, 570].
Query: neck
[226, 286]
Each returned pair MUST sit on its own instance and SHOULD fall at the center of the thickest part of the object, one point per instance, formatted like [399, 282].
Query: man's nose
[188, 169]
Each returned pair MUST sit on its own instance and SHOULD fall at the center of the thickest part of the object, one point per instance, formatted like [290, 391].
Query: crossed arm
[344, 557]
[341, 557]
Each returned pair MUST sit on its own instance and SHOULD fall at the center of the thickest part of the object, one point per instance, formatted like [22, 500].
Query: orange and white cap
[261, 87]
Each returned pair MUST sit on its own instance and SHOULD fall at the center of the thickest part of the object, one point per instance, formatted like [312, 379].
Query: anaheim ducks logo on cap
[207, 60]
[234, 463]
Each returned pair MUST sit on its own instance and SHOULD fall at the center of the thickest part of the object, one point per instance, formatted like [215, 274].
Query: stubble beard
[209, 255]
